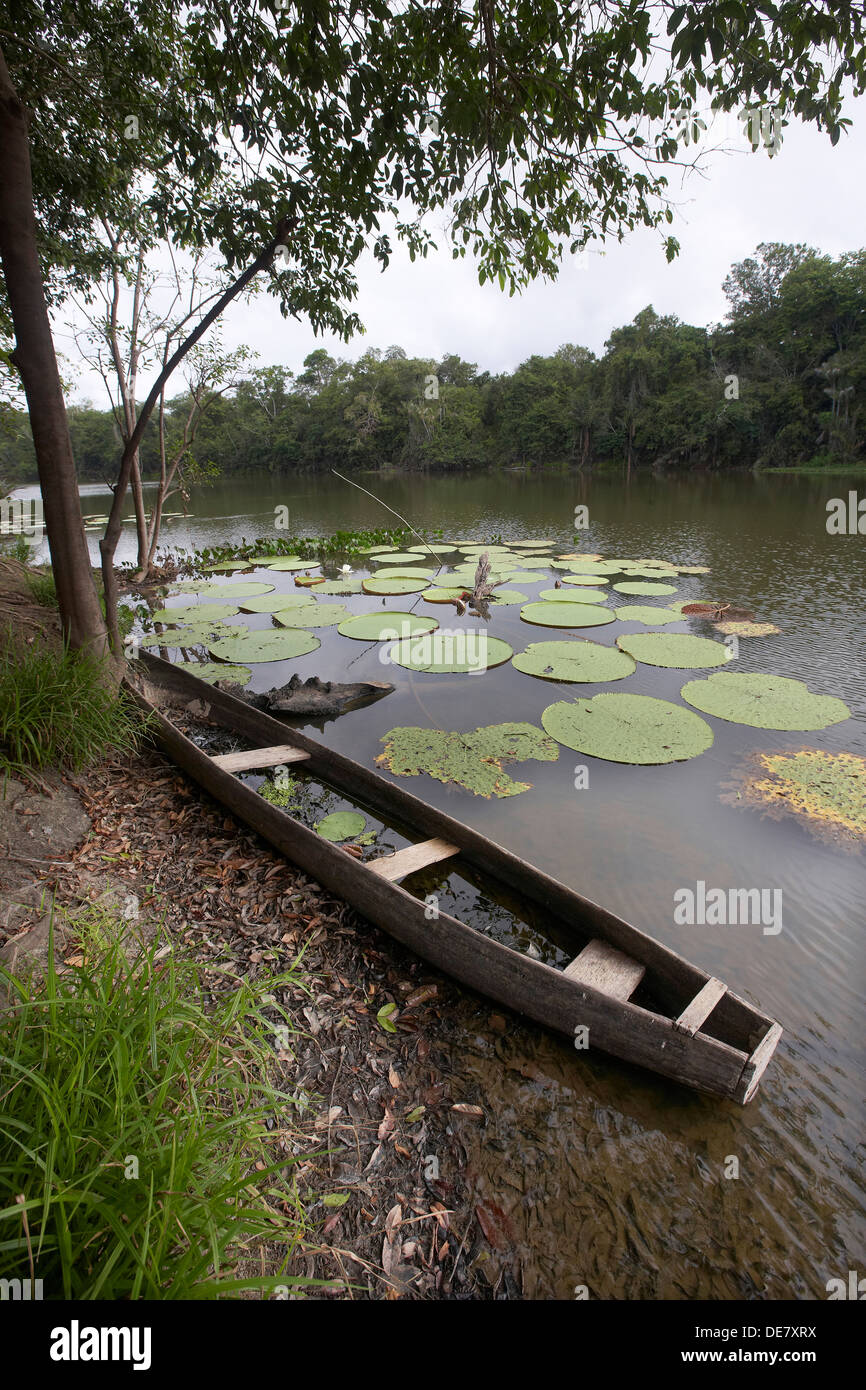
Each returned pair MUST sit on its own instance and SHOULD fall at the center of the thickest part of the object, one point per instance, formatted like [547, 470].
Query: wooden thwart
[413, 857]
[260, 757]
[606, 969]
[699, 1010]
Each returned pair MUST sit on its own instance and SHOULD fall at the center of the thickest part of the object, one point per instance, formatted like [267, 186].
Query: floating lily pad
[523, 577]
[826, 791]
[647, 590]
[472, 760]
[674, 649]
[402, 557]
[341, 825]
[273, 644]
[563, 596]
[628, 729]
[643, 613]
[442, 595]
[565, 614]
[414, 572]
[693, 569]
[306, 581]
[195, 613]
[589, 566]
[233, 589]
[573, 661]
[531, 545]
[273, 603]
[537, 562]
[230, 565]
[394, 586]
[469, 649]
[212, 671]
[745, 629]
[350, 585]
[764, 702]
[648, 572]
[584, 579]
[386, 626]
[291, 562]
[312, 615]
[379, 549]
[506, 596]
[193, 636]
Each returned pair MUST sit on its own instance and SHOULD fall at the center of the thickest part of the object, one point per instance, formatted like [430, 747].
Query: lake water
[610, 1177]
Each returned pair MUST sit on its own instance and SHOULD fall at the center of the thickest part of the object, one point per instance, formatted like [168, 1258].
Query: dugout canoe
[637, 999]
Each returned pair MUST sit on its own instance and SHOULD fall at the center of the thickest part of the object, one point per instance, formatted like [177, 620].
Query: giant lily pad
[307, 581]
[350, 584]
[563, 596]
[230, 565]
[472, 760]
[506, 596]
[233, 589]
[273, 603]
[413, 572]
[312, 615]
[386, 626]
[746, 629]
[190, 636]
[764, 702]
[628, 729]
[643, 613]
[693, 569]
[402, 557]
[647, 590]
[674, 649]
[523, 577]
[394, 586]
[273, 644]
[195, 613]
[573, 661]
[341, 825]
[582, 579]
[292, 562]
[827, 791]
[565, 614]
[443, 595]
[212, 671]
[467, 649]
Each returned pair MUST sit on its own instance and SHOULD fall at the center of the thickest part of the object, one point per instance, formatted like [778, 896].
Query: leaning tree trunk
[36, 362]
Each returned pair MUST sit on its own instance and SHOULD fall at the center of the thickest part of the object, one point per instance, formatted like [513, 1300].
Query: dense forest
[782, 382]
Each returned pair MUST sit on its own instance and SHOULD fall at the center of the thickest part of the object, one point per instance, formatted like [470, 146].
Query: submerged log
[312, 696]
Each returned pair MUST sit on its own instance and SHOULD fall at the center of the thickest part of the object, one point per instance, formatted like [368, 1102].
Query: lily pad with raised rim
[386, 626]
[272, 644]
[577, 661]
[764, 702]
[565, 614]
[637, 729]
[677, 650]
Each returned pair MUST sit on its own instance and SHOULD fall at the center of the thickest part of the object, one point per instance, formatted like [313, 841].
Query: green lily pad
[191, 636]
[647, 572]
[578, 661]
[351, 584]
[628, 729]
[273, 603]
[523, 577]
[399, 585]
[643, 613]
[292, 562]
[563, 596]
[764, 702]
[195, 613]
[592, 567]
[646, 590]
[229, 565]
[674, 649]
[469, 649]
[413, 572]
[341, 825]
[233, 589]
[312, 615]
[443, 595]
[402, 557]
[825, 791]
[386, 626]
[273, 644]
[506, 596]
[584, 579]
[212, 671]
[564, 614]
[537, 562]
[472, 760]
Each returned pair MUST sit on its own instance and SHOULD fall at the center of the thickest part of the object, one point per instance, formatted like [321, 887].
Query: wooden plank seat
[406, 861]
[698, 1011]
[260, 757]
[606, 969]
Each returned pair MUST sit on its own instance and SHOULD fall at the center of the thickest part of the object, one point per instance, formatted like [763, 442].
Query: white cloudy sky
[810, 192]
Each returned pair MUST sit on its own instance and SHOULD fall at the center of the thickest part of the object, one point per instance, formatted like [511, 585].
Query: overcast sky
[810, 192]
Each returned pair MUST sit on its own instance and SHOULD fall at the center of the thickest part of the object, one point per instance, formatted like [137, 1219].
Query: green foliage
[119, 1059]
[43, 588]
[57, 710]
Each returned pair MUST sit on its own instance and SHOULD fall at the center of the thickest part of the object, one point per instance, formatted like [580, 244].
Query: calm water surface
[609, 1177]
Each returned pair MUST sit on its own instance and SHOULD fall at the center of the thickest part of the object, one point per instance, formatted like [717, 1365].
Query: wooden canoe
[688, 1026]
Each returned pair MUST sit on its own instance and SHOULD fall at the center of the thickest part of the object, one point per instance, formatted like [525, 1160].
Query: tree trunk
[36, 362]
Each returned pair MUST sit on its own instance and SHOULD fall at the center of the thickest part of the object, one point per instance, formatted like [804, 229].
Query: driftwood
[312, 696]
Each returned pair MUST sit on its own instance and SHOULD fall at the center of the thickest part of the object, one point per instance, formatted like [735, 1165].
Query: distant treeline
[782, 382]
